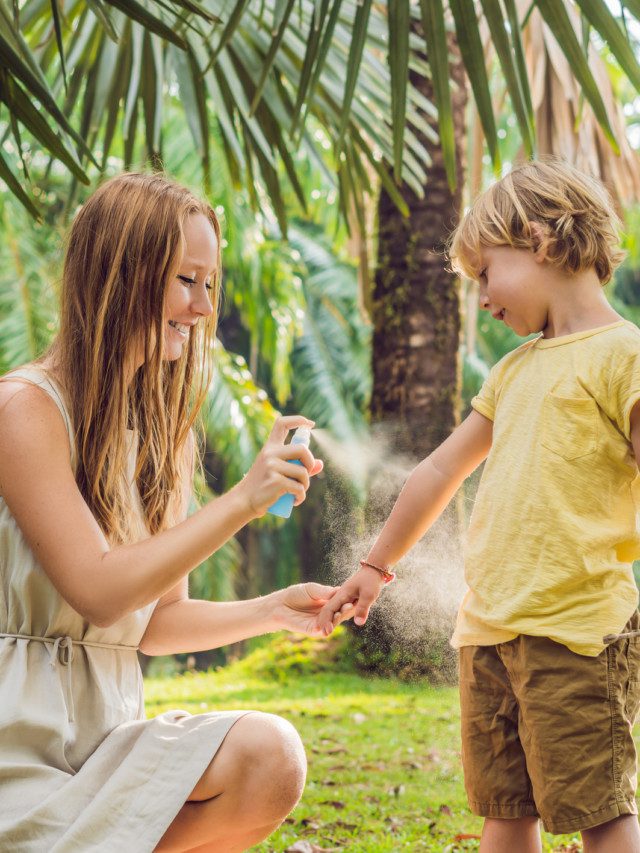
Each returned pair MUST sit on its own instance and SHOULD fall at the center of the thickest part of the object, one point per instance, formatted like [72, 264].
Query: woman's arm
[185, 625]
[189, 625]
[103, 583]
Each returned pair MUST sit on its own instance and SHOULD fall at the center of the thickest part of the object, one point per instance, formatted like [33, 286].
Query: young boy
[548, 630]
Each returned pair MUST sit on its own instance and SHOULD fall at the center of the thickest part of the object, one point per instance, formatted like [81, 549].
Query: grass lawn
[384, 756]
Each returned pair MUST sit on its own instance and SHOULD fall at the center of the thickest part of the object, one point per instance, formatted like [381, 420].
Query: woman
[96, 462]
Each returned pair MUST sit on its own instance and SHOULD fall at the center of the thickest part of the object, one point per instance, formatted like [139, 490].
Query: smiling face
[187, 298]
[512, 288]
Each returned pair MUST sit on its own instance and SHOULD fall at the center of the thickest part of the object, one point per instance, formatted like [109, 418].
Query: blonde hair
[124, 247]
[575, 212]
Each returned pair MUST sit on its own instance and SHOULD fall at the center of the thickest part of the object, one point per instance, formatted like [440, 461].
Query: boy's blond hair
[575, 211]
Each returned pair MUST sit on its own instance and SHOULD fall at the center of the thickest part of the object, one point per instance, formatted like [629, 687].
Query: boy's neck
[578, 304]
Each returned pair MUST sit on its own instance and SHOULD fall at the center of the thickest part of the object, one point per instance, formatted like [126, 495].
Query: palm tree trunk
[416, 371]
[416, 301]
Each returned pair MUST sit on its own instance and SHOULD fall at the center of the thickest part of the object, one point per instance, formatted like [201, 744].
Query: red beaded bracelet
[388, 576]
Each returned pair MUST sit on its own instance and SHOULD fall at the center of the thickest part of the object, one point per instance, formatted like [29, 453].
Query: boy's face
[512, 288]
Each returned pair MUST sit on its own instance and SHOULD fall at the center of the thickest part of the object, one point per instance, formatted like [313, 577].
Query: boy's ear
[540, 239]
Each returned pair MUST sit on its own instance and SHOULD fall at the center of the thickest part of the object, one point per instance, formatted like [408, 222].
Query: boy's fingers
[362, 609]
[325, 617]
[317, 467]
[343, 615]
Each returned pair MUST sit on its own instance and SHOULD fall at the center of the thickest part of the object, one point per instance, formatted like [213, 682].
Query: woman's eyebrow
[187, 262]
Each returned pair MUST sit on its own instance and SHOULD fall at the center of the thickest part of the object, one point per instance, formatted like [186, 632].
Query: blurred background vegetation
[338, 142]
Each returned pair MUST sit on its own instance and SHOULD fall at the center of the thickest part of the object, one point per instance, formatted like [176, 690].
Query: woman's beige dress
[81, 768]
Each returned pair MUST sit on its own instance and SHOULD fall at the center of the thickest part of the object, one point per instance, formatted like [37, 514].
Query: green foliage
[435, 659]
[256, 69]
[332, 374]
[287, 655]
[28, 297]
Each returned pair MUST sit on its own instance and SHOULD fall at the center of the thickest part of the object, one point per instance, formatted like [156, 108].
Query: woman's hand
[357, 593]
[273, 474]
[296, 608]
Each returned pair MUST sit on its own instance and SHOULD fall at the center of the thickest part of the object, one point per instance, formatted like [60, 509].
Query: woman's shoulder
[28, 402]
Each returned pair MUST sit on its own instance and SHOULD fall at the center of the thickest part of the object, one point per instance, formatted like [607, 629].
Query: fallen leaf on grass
[464, 836]
[394, 824]
[340, 824]
[445, 810]
[396, 791]
[336, 750]
[336, 804]
[358, 718]
[307, 847]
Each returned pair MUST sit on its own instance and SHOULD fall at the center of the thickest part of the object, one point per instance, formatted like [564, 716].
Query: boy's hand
[296, 608]
[360, 590]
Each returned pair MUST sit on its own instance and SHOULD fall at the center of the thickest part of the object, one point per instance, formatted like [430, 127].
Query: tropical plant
[262, 70]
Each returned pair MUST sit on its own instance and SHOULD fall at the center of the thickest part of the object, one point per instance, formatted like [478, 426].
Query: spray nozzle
[302, 436]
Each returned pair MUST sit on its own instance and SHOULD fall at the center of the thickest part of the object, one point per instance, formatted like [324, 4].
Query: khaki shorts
[547, 732]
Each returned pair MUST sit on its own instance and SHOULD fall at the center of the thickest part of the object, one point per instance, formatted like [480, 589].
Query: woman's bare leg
[253, 782]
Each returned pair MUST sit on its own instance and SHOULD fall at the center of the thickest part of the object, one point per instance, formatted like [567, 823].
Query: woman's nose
[202, 305]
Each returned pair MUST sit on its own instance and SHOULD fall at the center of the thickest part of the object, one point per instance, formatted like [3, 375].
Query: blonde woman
[96, 462]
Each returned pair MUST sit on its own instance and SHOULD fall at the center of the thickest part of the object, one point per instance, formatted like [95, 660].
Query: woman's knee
[274, 756]
[260, 767]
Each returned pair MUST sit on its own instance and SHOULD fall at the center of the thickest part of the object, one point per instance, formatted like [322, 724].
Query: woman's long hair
[124, 248]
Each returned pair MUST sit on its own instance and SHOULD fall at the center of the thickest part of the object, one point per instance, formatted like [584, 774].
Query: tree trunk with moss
[417, 322]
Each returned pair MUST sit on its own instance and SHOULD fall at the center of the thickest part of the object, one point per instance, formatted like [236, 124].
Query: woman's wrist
[270, 608]
[242, 500]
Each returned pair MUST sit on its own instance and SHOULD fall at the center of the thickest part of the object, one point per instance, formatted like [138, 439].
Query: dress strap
[40, 377]
[61, 651]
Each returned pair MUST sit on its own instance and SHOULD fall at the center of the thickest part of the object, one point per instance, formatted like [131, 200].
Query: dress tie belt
[60, 650]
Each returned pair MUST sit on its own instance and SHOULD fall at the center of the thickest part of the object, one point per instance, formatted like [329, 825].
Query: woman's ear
[540, 240]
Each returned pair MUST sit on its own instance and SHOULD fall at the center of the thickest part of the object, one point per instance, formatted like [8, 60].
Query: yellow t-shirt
[553, 531]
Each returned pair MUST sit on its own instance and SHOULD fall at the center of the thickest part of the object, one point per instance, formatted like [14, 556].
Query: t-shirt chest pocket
[569, 426]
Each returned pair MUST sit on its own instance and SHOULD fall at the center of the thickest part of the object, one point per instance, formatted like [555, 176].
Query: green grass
[384, 756]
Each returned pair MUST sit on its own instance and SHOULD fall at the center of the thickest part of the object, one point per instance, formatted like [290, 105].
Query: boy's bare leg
[621, 835]
[502, 835]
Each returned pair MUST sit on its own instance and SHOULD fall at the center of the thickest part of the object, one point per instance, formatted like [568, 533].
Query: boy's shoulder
[627, 334]
[618, 346]
[514, 355]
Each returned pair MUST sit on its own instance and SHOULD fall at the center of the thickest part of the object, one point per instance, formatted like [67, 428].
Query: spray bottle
[284, 504]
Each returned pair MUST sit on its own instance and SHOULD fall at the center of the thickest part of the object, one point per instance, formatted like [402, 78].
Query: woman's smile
[181, 329]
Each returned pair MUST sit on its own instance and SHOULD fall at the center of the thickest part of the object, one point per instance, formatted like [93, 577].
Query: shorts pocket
[569, 426]
[632, 700]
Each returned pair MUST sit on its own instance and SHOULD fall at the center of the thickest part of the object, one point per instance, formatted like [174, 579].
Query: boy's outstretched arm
[424, 496]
